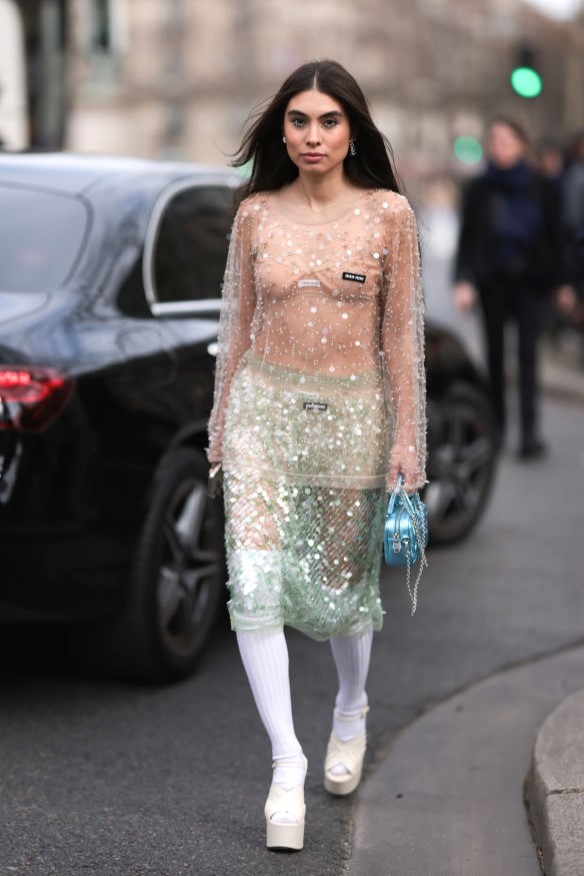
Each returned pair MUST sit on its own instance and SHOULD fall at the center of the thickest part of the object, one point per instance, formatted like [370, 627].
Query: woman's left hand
[404, 459]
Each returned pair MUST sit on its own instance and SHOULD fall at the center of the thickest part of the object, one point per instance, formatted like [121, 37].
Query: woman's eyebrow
[295, 112]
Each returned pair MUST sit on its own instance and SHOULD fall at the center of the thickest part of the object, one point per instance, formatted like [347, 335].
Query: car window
[41, 234]
[191, 244]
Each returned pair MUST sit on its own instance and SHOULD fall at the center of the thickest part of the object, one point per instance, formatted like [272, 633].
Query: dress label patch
[307, 282]
[315, 406]
[356, 278]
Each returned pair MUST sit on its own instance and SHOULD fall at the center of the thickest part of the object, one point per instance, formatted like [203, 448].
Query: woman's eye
[330, 123]
[297, 123]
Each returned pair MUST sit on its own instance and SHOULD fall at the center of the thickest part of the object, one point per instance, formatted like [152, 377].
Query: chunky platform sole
[342, 785]
[286, 837]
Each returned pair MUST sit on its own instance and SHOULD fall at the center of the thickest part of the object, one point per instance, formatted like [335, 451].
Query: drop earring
[283, 139]
[352, 147]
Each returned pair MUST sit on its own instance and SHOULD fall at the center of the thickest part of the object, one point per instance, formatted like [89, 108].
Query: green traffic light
[526, 82]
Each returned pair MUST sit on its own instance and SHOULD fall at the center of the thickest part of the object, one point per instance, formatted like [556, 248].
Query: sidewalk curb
[447, 798]
[556, 796]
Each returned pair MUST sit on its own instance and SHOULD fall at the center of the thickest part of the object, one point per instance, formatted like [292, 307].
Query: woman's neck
[318, 194]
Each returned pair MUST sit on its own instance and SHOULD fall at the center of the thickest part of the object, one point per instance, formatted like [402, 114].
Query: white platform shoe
[285, 813]
[349, 755]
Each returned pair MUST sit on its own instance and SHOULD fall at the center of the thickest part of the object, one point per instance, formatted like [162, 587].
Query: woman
[509, 258]
[319, 403]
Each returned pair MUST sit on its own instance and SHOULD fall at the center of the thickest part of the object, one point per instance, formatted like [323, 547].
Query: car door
[184, 261]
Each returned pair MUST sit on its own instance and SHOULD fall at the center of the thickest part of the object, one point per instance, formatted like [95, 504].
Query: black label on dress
[315, 406]
[356, 278]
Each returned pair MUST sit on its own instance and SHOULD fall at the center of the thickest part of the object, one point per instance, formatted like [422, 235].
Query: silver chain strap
[421, 533]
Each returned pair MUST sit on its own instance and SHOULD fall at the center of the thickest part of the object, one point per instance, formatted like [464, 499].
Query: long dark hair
[271, 168]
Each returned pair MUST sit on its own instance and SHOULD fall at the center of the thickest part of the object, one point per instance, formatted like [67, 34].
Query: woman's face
[504, 147]
[317, 132]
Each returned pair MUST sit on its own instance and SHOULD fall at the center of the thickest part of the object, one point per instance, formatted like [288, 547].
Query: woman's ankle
[289, 770]
[347, 725]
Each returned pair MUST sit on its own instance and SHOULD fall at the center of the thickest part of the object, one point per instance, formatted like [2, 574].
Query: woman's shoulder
[390, 202]
[393, 210]
[250, 205]
[248, 214]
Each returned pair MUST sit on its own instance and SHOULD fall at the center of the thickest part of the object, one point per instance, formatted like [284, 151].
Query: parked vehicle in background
[462, 439]
[110, 278]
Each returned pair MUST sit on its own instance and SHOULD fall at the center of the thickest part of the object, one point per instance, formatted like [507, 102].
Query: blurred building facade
[177, 78]
[33, 72]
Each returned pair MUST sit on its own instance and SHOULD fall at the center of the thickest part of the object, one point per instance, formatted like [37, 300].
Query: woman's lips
[312, 156]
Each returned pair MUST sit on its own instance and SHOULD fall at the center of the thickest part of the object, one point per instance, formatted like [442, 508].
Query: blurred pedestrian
[509, 261]
[550, 159]
[319, 403]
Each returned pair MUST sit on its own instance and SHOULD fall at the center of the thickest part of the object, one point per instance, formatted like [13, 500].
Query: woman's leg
[348, 741]
[265, 658]
[352, 656]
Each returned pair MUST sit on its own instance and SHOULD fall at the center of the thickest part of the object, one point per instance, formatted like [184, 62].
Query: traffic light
[468, 150]
[525, 77]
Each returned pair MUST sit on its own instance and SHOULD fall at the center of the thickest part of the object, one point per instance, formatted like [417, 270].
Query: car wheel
[177, 582]
[462, 462]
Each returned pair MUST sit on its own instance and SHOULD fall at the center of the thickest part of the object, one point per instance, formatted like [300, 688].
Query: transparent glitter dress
[320, 375]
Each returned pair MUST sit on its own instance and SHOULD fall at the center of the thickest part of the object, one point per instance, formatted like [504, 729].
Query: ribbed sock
[265, 658]
[352, 656]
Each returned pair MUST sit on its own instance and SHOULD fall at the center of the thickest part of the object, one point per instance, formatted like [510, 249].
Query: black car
[110, 277]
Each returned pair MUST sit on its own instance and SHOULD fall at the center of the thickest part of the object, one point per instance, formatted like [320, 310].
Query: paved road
[106, 779]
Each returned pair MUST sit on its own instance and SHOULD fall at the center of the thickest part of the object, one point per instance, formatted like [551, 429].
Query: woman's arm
[402, 347]
[235, 324]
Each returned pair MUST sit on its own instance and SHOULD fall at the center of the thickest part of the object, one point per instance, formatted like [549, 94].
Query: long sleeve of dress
[235, 324]
[402, 343]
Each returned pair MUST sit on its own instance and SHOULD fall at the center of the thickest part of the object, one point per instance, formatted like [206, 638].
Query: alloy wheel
[189, 570]
[462, 458]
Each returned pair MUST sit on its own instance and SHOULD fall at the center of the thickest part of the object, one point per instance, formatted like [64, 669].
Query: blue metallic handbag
[405, 535]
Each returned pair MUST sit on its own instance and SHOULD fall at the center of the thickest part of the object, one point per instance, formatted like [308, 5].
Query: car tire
[177, 583]
[462, 437]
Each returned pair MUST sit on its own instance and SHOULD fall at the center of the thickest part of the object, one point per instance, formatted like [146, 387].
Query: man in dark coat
[510, 261]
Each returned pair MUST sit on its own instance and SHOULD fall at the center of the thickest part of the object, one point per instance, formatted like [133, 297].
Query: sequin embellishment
[317, 378]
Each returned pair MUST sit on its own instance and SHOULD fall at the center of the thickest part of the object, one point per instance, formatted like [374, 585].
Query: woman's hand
[404, 459]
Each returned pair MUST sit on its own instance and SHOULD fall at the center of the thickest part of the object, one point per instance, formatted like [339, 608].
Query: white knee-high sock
[352, 655]
[265, 658]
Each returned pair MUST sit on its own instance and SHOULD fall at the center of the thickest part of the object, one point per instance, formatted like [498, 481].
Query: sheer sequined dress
[320, 371]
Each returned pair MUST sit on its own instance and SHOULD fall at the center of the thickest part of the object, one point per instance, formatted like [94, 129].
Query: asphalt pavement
[120, 780]
[485, 779]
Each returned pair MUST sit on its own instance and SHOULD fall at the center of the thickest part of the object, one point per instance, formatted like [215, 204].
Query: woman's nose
[313, 134]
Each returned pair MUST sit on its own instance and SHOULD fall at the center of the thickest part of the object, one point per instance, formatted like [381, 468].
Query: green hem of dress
[374, 623]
